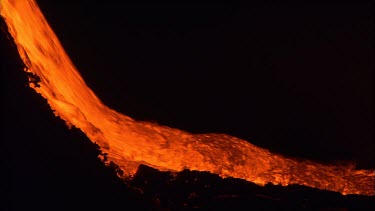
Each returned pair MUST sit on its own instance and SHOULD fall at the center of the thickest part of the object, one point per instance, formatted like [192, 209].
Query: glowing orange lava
[130, 143]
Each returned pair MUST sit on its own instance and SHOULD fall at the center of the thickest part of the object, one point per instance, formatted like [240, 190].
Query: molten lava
[129, 143]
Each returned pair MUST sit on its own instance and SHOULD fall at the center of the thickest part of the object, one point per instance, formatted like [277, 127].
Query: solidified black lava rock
[192, 189]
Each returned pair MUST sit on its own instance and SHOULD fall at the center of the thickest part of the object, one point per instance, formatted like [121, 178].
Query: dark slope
[46, 166]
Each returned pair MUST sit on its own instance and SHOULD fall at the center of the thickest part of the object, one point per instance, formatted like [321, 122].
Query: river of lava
[129, 143]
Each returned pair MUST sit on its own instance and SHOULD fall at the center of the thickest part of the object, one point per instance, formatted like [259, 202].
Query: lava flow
[129, 143]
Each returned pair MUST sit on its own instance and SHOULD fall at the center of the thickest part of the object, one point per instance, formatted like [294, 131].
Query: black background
[295, 79]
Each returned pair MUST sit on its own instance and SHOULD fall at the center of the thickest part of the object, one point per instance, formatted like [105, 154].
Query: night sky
[295, 79]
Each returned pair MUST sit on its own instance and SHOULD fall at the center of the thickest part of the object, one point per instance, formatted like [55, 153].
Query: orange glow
[129, 143]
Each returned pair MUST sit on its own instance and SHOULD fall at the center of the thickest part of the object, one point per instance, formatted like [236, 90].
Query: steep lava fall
[129, 143]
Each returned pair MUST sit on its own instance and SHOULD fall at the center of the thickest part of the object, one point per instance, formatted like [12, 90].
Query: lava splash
[129, 143]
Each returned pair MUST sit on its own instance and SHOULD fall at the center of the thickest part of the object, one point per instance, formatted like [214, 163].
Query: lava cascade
[129, 143]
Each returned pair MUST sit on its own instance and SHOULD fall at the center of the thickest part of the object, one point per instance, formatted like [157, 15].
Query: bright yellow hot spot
[129, 143]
